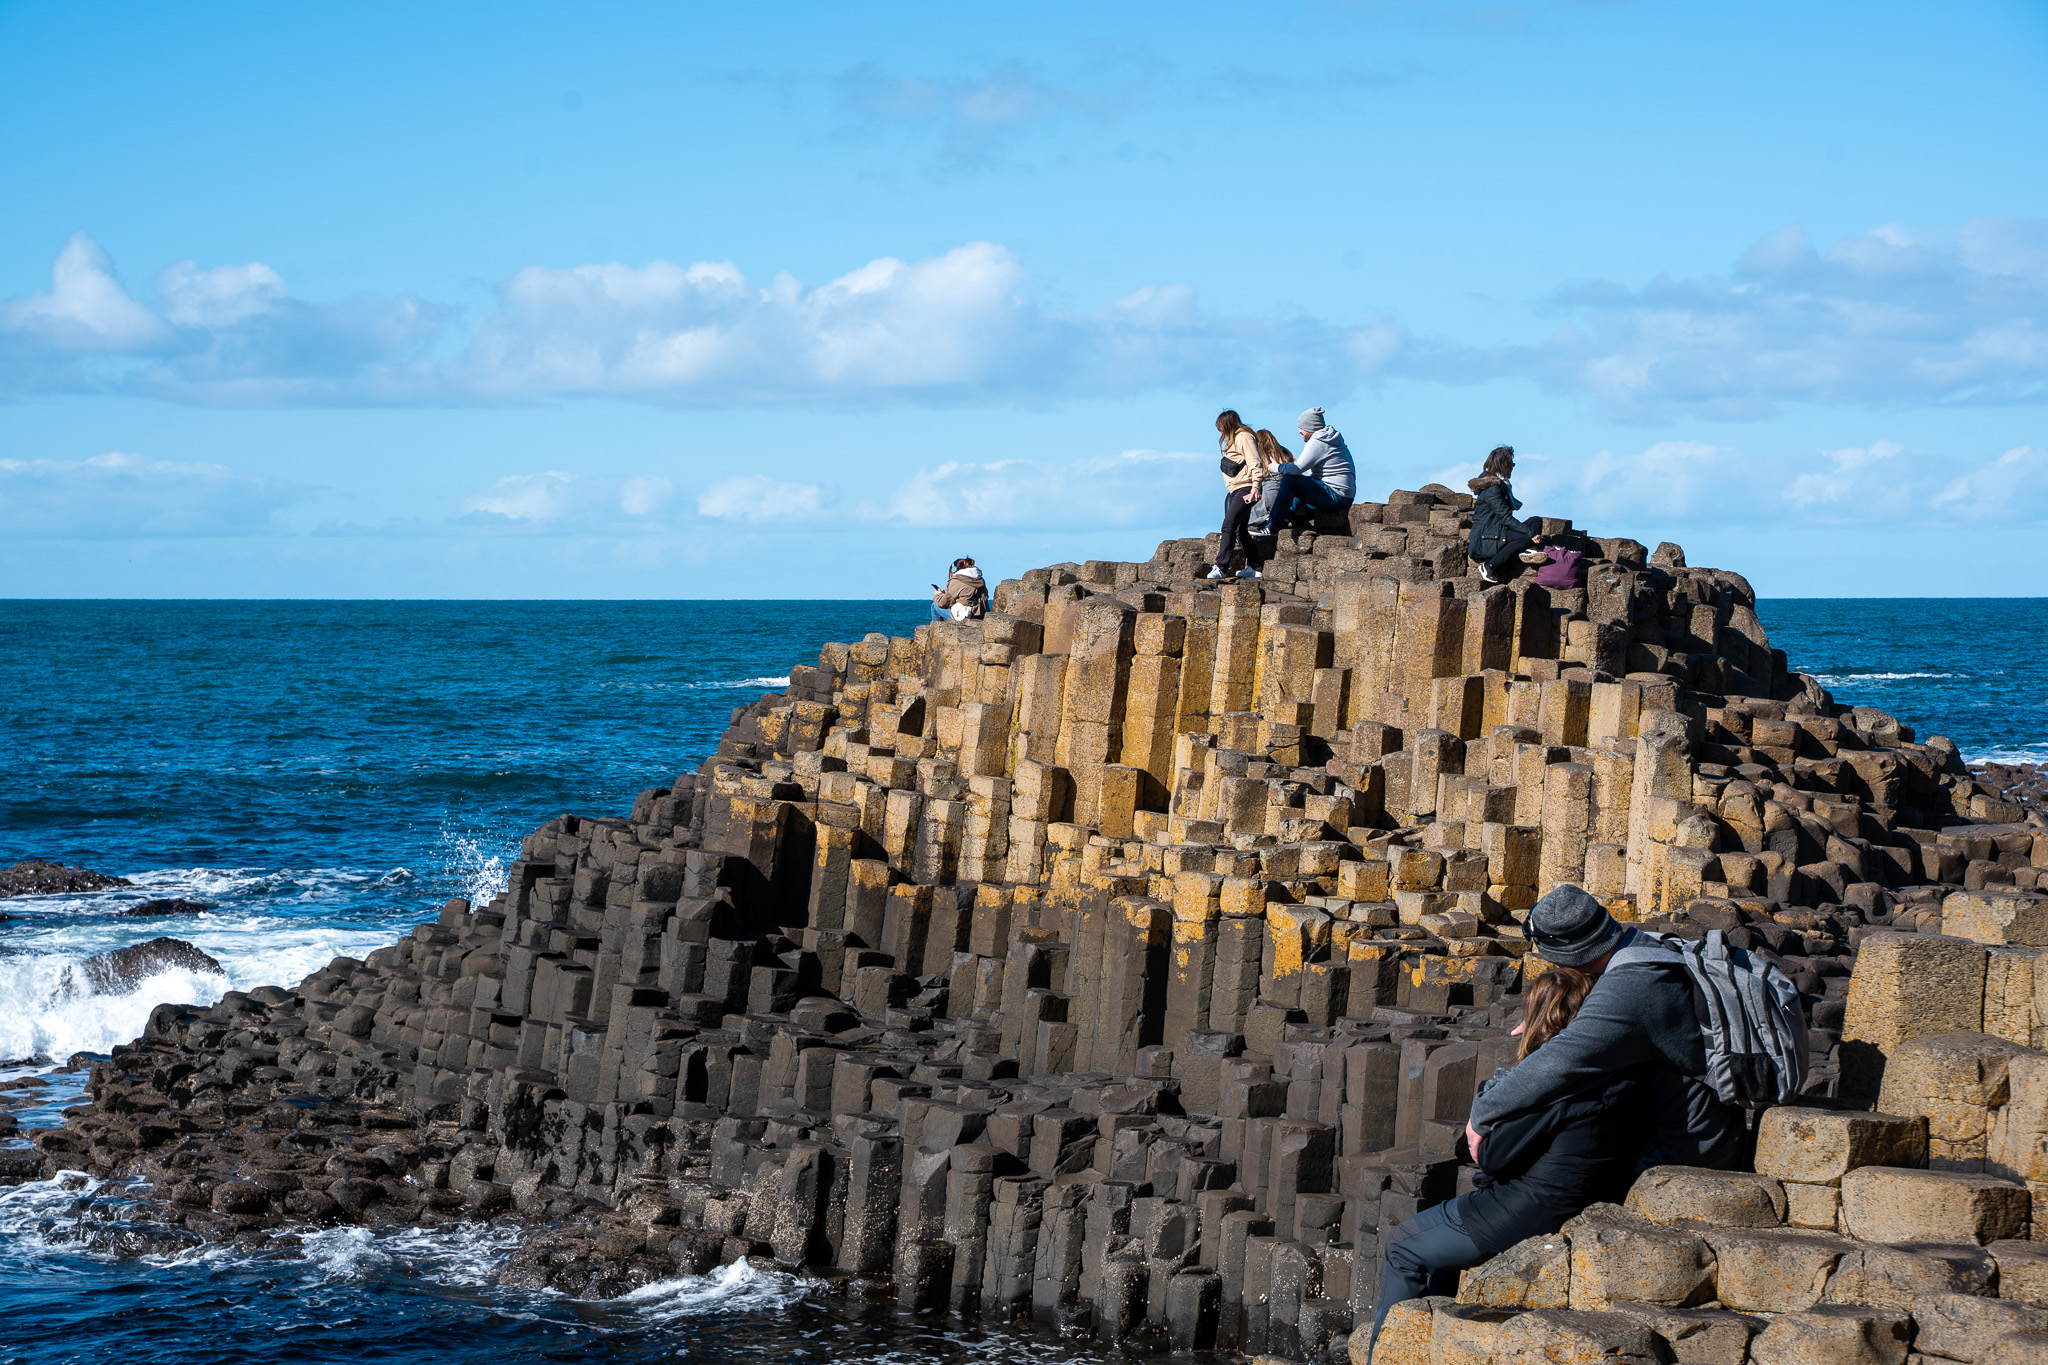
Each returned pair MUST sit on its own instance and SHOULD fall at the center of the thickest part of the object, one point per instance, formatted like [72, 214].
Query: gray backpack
[1749, 1011]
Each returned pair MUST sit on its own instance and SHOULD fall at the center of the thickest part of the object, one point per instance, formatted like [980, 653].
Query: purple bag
[1561, 571]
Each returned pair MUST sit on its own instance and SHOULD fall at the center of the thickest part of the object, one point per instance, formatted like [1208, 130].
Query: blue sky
[796, 300]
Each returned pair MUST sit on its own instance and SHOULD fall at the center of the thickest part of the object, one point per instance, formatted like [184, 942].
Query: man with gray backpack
[1719, 1031]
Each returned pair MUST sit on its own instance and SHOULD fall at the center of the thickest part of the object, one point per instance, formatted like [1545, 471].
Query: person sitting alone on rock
[1540, 1168]
[1499, 542]
[965, 596]
[1323, 478]
[1638, 1012]
[1245, 472]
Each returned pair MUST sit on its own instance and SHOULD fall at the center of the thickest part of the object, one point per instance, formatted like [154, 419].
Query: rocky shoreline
[1124, 964]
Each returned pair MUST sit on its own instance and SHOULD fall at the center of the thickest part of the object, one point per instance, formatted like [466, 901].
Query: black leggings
[1520, 536]
[1237, 516]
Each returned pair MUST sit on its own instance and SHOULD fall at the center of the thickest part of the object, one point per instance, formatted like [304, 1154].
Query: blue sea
[324, 774]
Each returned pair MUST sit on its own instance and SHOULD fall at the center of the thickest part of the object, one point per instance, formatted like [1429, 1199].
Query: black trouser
[1237, 516]
[1424, 1255]
[1520, 536]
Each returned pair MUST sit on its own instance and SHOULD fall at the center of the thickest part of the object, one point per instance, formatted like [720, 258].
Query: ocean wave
[480, 874]
[736, 1288]
[2036, 752]
[454, 1254]
[1850, 679]
[740, 682]
[39, 1018]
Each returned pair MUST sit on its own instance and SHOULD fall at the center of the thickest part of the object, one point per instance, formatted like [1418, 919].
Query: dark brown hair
[1499, 461]
[1228, 424]
[1551, 1002]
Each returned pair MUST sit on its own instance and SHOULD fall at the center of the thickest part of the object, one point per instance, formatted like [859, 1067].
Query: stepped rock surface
[1124, 963]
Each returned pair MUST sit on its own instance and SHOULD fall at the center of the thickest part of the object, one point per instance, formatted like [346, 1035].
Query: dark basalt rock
[156, 909]
[40, 877]
[111, 973]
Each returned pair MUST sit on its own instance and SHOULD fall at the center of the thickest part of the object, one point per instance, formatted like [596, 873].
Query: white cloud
[644, 496]
[1891, 317]
[526, 497]
[557, 500]
[86, 308]
[219, 297]
[756, 497]
[966, 325]
[1679, 482]
[118, 496]
[1132, 488]
[2009, 488]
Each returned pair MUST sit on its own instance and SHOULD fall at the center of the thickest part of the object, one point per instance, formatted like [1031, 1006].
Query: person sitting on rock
[1245, 473]
[965, 596]
[1538, 1169]
[1640, 1011]
[1499, 542]
[1323, 478]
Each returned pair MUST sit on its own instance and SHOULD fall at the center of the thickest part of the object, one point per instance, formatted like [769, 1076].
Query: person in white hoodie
[965, 596]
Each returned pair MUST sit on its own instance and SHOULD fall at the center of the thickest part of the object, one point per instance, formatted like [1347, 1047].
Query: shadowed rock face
[40, 877]
[159, 907]
[122, 969]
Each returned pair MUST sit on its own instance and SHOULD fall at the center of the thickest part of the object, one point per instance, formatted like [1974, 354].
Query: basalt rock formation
[1126, 962]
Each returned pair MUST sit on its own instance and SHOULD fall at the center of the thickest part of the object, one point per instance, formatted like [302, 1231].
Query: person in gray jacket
[1640, 1012]
[1323, 478]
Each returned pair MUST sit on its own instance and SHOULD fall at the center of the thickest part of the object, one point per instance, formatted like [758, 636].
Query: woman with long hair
[1498, 540]
[1244, 470]
[1535, 1173]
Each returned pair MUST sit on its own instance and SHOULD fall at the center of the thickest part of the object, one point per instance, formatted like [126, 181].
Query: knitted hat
[1311, 421]
[1570, 928]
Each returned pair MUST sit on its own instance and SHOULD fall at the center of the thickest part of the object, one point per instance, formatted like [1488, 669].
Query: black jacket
[1542, 1168]
[1493, 516]
[1640, 1012]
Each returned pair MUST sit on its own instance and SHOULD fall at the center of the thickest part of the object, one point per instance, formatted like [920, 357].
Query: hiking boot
[1215, 571]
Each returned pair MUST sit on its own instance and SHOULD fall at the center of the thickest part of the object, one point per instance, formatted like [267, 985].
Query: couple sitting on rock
[1267, 488]
[1611, 1080]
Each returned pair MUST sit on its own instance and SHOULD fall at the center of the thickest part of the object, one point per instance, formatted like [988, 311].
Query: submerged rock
[122, 969]
[40, 877]
[153, 909]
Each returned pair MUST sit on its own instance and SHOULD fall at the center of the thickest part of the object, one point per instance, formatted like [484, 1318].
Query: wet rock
[162, 906]
[122, 969]
[584, 1268]
[40, 877]
[141, 1239]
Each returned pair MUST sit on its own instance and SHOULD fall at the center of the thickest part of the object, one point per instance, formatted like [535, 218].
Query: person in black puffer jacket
[1498, 540]
[1536, 1171]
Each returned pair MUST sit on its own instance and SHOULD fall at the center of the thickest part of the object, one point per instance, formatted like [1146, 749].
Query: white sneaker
[1248, 573]
[1215, 571]
[1485, 577]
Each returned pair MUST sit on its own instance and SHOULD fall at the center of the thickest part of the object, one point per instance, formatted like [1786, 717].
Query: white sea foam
[2024, 753]
[455, 1254]
[744, 682]
[480, 873]
[40, 1017]
[735, 1288]
[1852, 679]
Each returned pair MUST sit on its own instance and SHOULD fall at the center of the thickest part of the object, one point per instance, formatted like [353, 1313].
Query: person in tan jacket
[1244, 470]
[965, 596]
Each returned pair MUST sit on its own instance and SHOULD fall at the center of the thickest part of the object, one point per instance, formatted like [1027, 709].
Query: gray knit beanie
[1570, 928]
[1311, 422]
